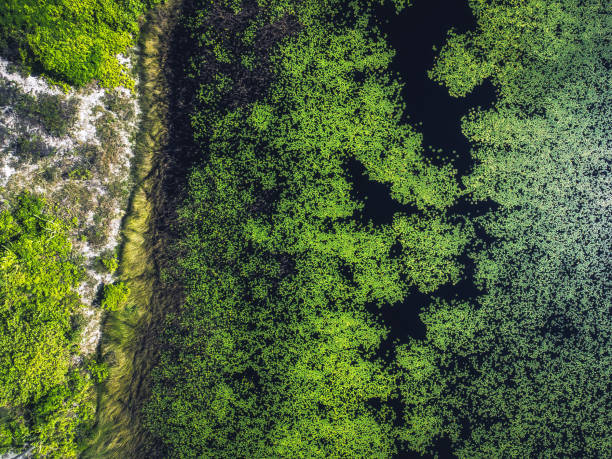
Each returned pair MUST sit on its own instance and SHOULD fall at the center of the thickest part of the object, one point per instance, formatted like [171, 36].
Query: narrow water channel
[413, 35]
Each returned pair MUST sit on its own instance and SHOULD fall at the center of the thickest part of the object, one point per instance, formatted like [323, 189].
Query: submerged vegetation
[264, 334]
[128, 344]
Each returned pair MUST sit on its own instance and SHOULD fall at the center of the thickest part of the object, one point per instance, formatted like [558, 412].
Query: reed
[127, 345]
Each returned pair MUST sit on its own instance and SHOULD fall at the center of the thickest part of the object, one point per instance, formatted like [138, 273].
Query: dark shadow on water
[413, 34]
[379, 206]
[434, 113]
[429, 108]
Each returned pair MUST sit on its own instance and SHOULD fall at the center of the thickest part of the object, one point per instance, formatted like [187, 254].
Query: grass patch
[125, 347]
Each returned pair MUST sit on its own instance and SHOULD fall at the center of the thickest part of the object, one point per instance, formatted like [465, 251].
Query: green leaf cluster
[115, 296]
[525, 369]
[44, 402]
[74, 41]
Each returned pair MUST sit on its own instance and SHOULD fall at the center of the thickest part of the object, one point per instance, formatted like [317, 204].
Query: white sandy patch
[93, 331]
[16, 175]
[85, 129]
[124, 60]
[7, 170]
[28, 84]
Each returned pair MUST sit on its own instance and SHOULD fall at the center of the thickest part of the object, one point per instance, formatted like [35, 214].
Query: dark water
[413, 34]
[429, 108]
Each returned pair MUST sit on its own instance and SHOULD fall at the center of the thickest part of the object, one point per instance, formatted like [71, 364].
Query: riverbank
[127, 337]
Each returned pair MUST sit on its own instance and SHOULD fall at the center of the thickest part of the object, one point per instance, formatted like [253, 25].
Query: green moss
[99, 371]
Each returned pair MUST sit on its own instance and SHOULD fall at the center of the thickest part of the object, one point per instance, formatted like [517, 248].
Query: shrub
[74, 41]
[43, 402]
[115, 296]
[107, 261]
[99, 371]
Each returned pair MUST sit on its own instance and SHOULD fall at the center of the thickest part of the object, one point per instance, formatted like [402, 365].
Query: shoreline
[127, 333]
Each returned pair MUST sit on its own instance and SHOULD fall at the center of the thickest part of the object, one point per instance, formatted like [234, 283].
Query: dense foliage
[277, 349]
[525, 370]
[274, 353]
[115, 296]
[74, 41]
[44, 401]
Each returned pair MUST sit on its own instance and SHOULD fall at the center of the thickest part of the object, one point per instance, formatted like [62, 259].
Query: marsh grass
[128, 338]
